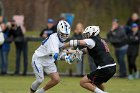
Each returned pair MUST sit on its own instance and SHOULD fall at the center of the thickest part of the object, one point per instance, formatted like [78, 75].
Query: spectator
[49, 30]
[5, 51]
[1, 57]
[117, 38]
[134, 19]
[2, 28]
[21, 46]
[133, 49]
[80, 69]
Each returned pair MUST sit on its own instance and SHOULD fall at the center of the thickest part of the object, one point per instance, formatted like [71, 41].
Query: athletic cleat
[137, 75]
[40, 91]
[130, 77]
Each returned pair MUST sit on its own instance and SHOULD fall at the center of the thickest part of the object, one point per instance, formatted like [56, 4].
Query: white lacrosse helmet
[63, 30]
[91, 30]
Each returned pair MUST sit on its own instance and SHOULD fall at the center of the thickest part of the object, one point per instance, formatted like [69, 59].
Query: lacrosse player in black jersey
[98, 49]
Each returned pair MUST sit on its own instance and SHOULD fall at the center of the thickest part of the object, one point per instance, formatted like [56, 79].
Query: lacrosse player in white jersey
[44, 57]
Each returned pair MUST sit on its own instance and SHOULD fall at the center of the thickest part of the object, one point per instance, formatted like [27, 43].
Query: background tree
[98, 12]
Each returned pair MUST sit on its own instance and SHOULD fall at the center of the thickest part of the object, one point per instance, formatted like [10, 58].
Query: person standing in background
[1, 57]
[17, 34]
[49, 29]
[5, 50]
[80, 68]
[133, 49]
[118, 38]
[2, 28]
[134, 19]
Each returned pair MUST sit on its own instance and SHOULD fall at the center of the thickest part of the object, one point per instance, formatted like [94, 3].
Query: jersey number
[105, 45]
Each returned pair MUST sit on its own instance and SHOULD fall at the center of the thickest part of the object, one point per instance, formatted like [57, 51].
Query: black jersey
[100, 52]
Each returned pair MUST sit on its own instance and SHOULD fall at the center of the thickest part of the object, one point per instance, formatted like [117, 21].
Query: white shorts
[39, 68]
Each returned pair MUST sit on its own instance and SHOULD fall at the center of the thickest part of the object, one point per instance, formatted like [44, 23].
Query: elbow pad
[74, 43]
[55, 56]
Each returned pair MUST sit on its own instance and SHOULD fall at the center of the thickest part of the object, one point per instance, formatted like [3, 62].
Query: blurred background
[25, 23]
[33, 16]
[99, 12]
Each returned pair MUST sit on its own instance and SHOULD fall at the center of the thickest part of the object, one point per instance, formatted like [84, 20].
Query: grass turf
[19, 84]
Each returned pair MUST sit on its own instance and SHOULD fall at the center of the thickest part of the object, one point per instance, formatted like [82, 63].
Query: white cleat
[40, 91]
[130, 77]
[37, 91]
[137, 74]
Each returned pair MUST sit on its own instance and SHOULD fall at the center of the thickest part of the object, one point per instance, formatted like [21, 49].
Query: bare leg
[31, 91]
[101, 86]
[36, 84]
[55, 79]
[87, 84]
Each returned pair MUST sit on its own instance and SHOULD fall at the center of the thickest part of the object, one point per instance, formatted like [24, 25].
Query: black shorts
[100, 76]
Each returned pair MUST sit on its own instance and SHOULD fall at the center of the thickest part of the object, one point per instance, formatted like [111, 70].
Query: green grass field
[19, 84]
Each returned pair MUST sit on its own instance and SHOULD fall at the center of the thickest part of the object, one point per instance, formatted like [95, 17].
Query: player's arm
[85, 42]
[74, 43]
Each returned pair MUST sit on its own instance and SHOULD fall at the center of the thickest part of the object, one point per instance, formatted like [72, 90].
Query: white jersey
[48, 47]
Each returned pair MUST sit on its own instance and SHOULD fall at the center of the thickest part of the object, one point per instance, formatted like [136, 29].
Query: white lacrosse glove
[70, 58]
[62, 55]
[78, 54]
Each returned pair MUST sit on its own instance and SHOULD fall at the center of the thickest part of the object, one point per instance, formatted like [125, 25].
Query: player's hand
[79, 54]
[72, 58]
[68, 59]
[62, 55]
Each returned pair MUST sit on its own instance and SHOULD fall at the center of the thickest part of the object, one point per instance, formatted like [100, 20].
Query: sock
[41, 90]
[35, 85]
[97, 90]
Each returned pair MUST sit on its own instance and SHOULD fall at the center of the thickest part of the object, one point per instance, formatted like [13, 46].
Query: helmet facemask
[63, 36]
[86, 35]
[63, 30]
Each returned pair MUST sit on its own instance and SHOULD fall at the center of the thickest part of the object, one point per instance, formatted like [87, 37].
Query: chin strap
[60, 38]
